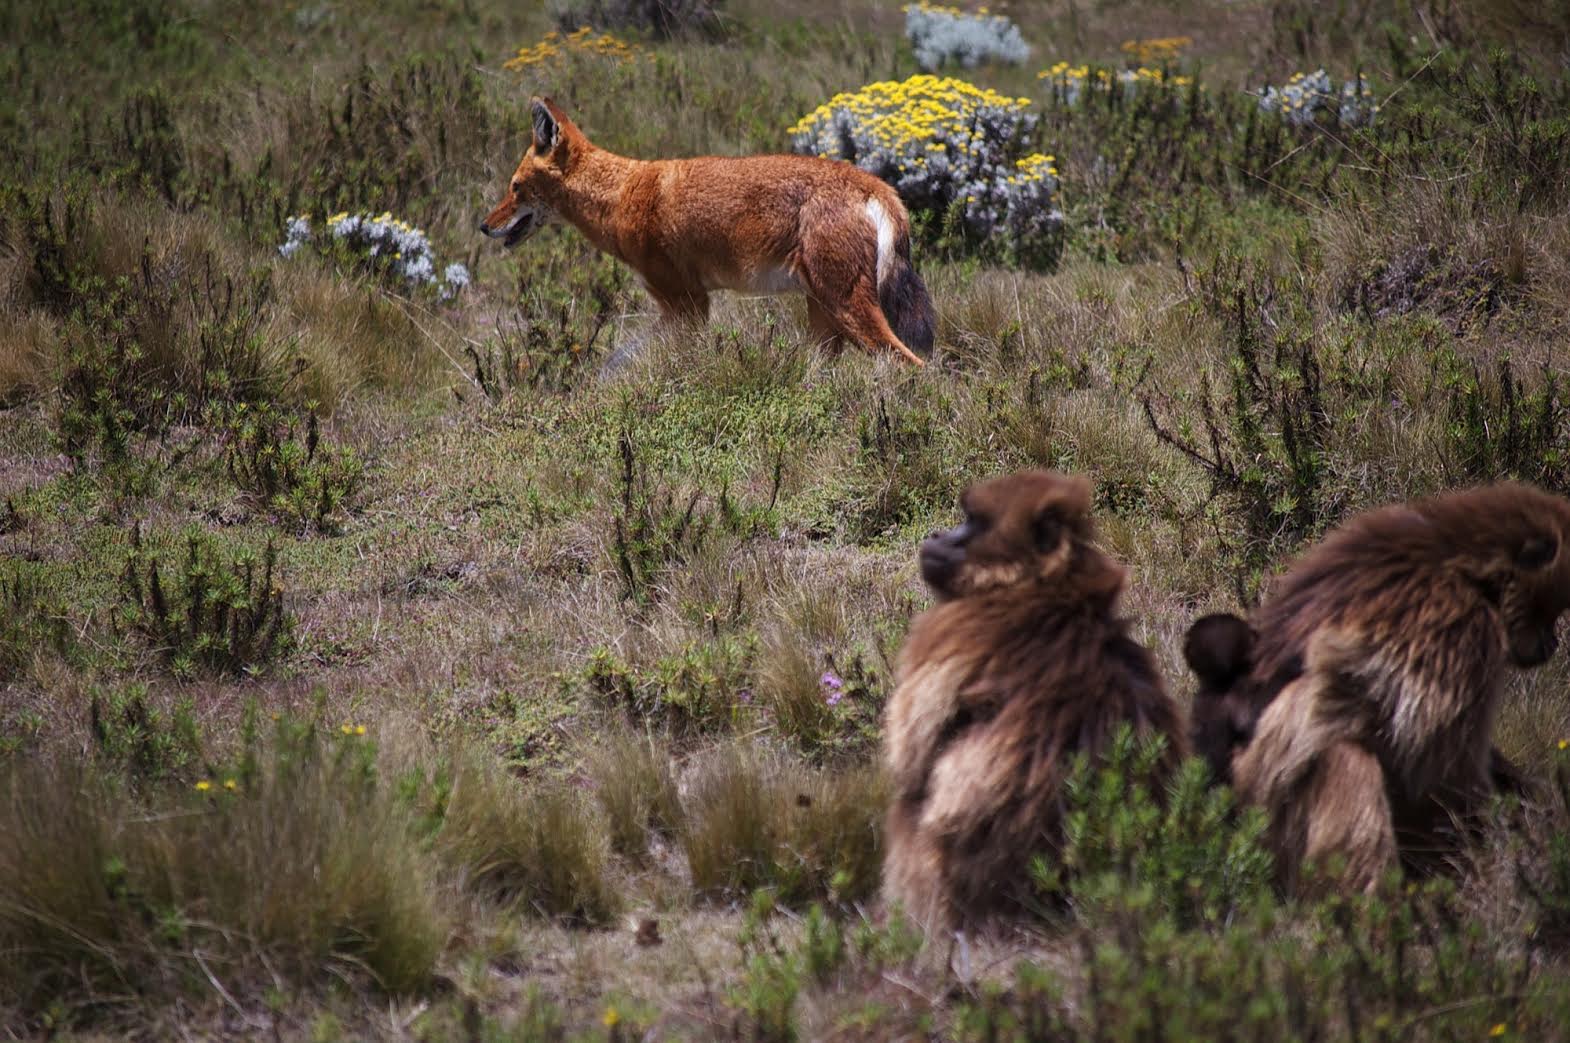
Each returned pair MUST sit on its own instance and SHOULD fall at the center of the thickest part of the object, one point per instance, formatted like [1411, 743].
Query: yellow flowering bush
[1070, 81]
[1158, 50]
[945, 145]
[583, 42]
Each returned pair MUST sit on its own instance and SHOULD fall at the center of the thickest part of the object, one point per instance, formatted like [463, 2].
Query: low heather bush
[145, 743]
[32, 619]
[288, 472]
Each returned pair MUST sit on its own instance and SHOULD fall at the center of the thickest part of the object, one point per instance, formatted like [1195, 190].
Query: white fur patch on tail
[883, 225]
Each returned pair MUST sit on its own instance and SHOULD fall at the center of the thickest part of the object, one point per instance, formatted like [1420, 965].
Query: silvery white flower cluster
[1304, 96]
[386, 242]
[942, 143]
[946, 34]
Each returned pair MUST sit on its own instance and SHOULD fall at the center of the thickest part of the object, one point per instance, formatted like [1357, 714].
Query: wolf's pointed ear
[547, 131]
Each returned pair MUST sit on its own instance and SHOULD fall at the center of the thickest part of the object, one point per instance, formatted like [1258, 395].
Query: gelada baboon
[1022, 663]
[1358, 709]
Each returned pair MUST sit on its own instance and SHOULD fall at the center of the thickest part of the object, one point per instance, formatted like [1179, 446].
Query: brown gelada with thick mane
[1022, 663]
[1358, 708]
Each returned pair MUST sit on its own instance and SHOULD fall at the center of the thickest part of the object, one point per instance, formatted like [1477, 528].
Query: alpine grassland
[378, 663]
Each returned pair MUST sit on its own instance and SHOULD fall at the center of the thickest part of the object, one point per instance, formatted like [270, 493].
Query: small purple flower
[744, 696]
[832, 687]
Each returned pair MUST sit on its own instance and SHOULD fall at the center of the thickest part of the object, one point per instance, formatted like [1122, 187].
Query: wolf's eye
[517, 188]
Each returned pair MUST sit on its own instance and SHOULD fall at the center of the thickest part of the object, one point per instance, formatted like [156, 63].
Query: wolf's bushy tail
[905, 302]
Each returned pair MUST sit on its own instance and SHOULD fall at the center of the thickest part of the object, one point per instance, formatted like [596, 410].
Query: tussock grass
[302, 871]
[756, 819]
[539, 848]
[635, 787]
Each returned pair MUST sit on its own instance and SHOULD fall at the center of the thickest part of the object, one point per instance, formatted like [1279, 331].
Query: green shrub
[831, 956]
[215, 612]
[145, 743]
[655, 527]
[1543, 864]
[1179, 843]
[550, 344]
[1347, 969]
[310, 486]
[824, 710]
[694, 691]
[1261, 438]
[151, 335]
[32, 620]
[662, 19]
[1503, 427]
[907, 467]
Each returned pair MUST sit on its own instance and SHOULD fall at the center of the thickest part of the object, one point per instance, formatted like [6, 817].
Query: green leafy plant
[214, 612]
[31, 619]
[690, 692]
[147, 744]
[1180, 844]
[1501, 426]
[1261, 438]
[311, 486]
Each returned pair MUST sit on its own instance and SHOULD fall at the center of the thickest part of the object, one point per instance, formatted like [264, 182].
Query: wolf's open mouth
[519, 231]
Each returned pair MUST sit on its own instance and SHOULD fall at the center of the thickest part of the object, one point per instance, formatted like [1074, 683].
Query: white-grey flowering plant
[949, 148]
[940, 35]
[1305, 95]
[384, 242]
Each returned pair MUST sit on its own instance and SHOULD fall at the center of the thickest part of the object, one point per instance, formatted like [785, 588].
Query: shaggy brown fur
[1022, 664]
[764, 224]
[1384, 648]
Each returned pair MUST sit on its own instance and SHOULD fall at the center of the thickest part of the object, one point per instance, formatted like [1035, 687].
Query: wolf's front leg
[678, 314]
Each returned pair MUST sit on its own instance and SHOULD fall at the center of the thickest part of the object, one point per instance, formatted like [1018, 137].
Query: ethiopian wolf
[762, 224]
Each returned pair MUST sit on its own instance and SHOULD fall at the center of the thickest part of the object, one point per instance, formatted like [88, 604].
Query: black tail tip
[908, 307]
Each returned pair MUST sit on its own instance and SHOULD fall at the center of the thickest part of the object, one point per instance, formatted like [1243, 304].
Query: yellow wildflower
[231, 785]
[1499, 1029]
[612, 1018]
[203, 786]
